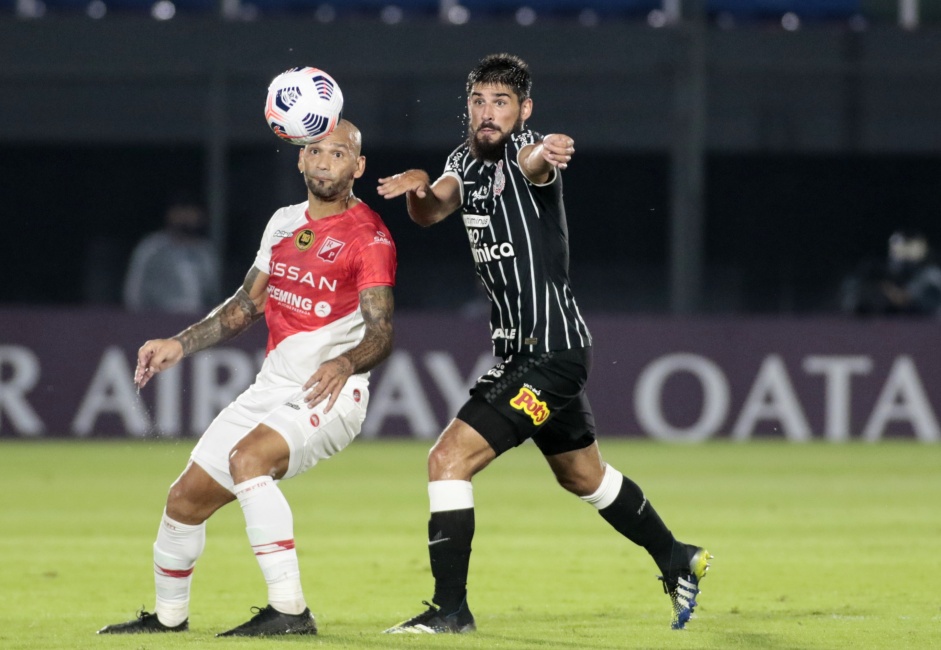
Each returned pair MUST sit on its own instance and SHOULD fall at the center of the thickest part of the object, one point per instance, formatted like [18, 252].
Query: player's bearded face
[484, 146]
[327, 188]
[331, 165]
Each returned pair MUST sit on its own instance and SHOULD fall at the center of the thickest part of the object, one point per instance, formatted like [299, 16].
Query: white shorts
[311, 434]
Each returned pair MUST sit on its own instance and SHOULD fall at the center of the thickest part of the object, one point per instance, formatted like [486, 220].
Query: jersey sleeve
[263, 255]
[525, 137]
[375, 262]
[454, 167]
[528, 137]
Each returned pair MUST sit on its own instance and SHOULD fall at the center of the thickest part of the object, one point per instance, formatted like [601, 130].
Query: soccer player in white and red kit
[322, 278]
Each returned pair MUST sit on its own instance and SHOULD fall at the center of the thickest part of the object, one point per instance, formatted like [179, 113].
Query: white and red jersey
[316, 270]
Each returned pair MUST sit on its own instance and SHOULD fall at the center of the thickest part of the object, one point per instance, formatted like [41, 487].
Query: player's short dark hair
[506, 69]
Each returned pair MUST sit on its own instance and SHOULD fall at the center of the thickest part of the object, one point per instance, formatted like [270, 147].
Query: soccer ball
[303, 106]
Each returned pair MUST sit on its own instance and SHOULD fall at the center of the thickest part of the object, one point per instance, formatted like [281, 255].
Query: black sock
[634, 517]
[449, 547]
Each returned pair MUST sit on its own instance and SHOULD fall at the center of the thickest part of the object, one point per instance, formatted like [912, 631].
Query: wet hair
[505, 69]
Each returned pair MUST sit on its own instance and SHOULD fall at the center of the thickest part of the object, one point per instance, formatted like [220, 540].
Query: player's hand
[557, 150]
[327, 382]
[415, 181]
[156, 356]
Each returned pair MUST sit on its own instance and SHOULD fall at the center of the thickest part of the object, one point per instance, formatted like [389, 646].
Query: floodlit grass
[817, 546]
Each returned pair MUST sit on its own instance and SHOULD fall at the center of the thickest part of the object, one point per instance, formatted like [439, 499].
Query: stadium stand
[726, 13]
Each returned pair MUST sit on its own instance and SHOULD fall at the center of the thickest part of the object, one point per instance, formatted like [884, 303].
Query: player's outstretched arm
[226, 321]
[377, 306]
[537, 160]
[427, 203]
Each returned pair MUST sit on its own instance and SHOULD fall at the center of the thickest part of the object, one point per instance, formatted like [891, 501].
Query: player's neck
[318, 208]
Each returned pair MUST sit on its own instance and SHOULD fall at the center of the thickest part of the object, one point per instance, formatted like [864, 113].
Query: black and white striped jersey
[519, 240]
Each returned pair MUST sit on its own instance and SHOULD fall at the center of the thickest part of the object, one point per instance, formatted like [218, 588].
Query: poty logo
[527, 402]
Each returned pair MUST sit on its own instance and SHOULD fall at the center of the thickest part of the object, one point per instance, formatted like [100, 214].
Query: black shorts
[538, 396]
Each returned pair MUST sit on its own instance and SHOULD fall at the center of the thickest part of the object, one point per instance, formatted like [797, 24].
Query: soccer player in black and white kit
[506, 182]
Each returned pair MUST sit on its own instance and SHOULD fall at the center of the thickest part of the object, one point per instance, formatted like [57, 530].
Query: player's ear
[360, 167]
[300, 160]
[526, 108]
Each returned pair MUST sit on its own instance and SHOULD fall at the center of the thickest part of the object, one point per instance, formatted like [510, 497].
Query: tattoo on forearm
[377, 306]
[226, 321]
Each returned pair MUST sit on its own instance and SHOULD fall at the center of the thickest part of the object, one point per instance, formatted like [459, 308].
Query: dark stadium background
[816, 142]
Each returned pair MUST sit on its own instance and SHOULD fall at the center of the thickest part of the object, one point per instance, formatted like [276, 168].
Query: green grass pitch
[817, 546]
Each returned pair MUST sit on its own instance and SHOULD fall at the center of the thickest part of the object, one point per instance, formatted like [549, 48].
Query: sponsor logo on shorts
[314, 420]
[357, 396]
[304, 239]
[527, 402]
[293, 406]
[497, 371]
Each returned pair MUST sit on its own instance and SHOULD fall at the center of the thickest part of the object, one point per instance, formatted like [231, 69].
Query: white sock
[270, 527]
[608, 491]
[176, 550]
[450, 495]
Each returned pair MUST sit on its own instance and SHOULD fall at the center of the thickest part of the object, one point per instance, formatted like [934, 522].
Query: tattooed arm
[226, 321]
[377, 305]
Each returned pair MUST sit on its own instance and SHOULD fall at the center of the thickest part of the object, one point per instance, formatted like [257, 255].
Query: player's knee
[446, 462]
[440, 463]
[246, 464]
[578, 483]
[182, 507]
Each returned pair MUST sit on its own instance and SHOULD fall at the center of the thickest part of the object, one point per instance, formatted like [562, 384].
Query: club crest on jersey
[499, 180]
[304, 239]
[527, 402]
[330, 249]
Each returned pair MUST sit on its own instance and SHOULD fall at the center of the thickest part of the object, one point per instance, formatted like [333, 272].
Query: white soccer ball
[303, 106]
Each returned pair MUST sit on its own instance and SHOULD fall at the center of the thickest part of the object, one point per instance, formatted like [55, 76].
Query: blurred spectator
[907, 282]
[176, 269]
